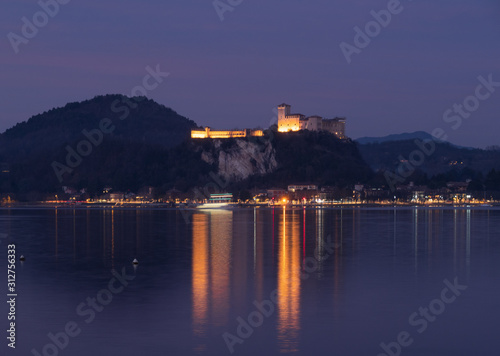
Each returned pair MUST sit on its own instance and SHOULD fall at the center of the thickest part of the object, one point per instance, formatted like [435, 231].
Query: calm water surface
[330, 281]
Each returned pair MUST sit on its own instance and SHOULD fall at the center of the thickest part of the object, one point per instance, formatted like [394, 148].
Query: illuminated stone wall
[208, 133]
[290, 123]
[335, 126]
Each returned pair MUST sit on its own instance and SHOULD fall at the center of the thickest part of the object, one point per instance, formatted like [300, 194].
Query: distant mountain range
[421, 135]
[387, 153]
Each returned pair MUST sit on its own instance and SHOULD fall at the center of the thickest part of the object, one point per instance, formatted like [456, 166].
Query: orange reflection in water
[211, 263]
[289, 283]
[258, 256]
[221, 230]
[200, 273]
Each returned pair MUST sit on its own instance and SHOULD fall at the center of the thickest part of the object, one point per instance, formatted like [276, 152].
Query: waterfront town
[455, 193]
[288, 193]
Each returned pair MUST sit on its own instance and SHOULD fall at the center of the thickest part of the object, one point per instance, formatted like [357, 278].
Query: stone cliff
[241, 158]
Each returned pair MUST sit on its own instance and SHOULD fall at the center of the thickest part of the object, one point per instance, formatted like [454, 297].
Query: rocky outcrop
[241, 158]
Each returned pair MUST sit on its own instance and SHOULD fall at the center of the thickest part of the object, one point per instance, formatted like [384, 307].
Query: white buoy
[135, 262]
[22, 258]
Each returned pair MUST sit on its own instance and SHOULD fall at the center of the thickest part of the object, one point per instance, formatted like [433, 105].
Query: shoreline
[171, 206]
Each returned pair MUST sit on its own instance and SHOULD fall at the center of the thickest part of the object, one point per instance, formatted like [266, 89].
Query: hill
[131, 143]
[279, 159]
[108, 140]
[318, 157]
[135, 119]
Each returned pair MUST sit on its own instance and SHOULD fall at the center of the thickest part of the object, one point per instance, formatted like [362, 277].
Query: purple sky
[231, 73]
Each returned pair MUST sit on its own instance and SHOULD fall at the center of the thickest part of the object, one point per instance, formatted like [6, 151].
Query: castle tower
[283, 112]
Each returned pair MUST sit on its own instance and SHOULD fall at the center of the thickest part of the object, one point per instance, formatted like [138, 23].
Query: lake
[336, 281]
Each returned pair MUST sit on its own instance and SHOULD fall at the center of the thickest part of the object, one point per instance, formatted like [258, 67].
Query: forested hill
[135, 119]
[316, 157]
[132, 143]
[128, 136]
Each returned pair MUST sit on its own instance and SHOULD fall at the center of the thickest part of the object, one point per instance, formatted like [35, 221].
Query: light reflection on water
[289, 282]
[385, 264]
[291, 244]
[200, 277]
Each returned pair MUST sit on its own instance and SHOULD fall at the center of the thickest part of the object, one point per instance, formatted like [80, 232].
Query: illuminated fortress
[296, 122]
[286, 122]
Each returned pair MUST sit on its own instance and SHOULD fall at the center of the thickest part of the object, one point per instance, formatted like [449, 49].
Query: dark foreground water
[411, 281]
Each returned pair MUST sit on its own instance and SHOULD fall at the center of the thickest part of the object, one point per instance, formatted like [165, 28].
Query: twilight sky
[232, 73]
